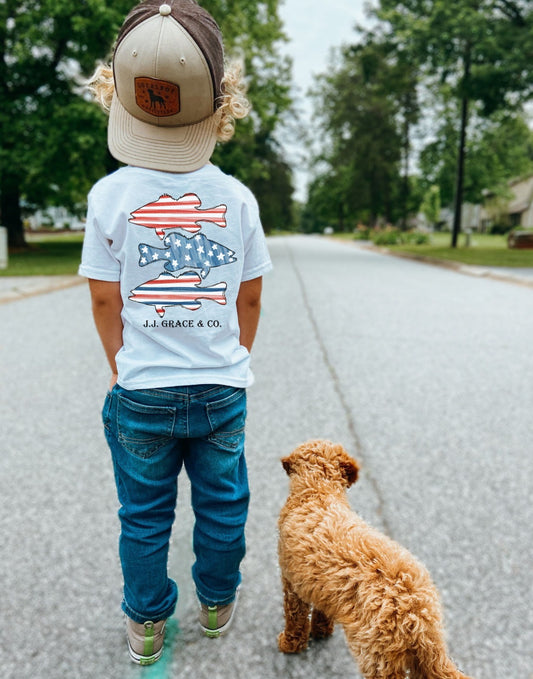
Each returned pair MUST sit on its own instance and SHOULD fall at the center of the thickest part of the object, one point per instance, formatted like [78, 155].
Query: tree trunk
[461, 152]
[340, 216]
[10, 213]
[406, 148]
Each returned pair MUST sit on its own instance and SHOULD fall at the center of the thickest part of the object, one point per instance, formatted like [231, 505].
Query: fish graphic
[181, 252]
[184, 213]
[183, 291]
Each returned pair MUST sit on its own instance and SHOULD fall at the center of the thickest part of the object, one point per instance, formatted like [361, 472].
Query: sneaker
[145, 641]
[216, 620]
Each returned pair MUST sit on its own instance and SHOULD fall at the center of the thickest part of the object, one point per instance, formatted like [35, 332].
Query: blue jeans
[151, 434]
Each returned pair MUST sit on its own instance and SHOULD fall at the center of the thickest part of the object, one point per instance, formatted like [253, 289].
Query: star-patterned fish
[181, 252]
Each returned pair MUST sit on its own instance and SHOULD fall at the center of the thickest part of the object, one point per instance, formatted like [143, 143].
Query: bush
[387, 236]
[362, 232]
[393, 236]
[417, 238]
[500, 229]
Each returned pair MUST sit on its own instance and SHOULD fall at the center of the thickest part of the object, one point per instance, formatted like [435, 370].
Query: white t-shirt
[180, 245]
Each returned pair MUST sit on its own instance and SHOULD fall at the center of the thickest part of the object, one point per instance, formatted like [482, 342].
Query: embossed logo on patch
[158, 97]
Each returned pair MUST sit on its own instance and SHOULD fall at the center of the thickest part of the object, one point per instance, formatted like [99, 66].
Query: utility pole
[461, 151]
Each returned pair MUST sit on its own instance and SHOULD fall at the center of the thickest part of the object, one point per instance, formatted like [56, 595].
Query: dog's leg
[296, 634]
[433, 663]
[321, 625]
[377, 667]
[373, 654]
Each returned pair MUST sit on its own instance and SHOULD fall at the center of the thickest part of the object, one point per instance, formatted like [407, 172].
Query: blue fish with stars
[181, 252]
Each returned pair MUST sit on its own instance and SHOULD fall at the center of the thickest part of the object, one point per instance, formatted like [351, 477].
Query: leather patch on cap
[160, 98]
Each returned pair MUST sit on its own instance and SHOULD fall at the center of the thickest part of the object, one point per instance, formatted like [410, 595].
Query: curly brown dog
[352, 574]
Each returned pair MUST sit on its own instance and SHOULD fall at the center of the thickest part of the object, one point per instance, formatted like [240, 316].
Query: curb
[465, 269]
[14, 288]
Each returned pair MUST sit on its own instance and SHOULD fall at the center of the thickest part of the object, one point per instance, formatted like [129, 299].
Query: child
[174, 253]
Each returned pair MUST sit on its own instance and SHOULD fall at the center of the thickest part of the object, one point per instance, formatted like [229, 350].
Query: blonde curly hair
[234, 106]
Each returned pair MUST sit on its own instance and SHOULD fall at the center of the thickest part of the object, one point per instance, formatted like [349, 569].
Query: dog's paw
[288, 644]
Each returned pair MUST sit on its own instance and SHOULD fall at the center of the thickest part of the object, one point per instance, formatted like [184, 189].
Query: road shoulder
[13, 288]
[507, 275]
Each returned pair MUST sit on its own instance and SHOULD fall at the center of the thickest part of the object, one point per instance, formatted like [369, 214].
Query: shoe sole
[144, 659]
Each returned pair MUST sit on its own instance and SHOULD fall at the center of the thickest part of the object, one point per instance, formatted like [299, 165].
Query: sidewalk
[13, 288]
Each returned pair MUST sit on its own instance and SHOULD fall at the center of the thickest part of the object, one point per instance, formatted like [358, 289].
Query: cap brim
[170, 149]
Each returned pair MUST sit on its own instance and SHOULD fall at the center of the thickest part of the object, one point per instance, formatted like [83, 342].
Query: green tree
[500, 148]
[367, 105]
[46, 129]
[481, 49]
[430, 206]
[438, 159]
[327, 202]
[253, 32]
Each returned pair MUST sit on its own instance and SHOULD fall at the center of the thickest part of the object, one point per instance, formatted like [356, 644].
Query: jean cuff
[209, 601]
[154, 616]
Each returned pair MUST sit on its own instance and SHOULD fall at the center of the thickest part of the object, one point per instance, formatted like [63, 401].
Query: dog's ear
[349, 470]
[287, 464]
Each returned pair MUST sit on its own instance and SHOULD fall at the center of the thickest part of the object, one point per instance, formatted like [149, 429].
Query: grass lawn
[484, 250]
[48, 255]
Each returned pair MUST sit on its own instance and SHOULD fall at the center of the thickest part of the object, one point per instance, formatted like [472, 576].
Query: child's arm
[107, 306]
[248, 310]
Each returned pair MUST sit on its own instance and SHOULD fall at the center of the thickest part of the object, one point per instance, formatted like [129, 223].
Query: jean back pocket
[143, 429]
[227, 417]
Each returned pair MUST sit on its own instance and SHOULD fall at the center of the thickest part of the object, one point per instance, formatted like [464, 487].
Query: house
[511, 211]
[520, 207]
[54, 217]
[471, 217]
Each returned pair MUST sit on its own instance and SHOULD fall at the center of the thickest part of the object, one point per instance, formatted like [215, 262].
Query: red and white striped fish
[185, 213]
[183, 291]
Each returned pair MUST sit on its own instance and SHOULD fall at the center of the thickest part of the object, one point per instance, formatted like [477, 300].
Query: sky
[313, 28]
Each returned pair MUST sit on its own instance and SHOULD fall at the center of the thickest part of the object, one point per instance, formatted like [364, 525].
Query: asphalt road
[424, 374]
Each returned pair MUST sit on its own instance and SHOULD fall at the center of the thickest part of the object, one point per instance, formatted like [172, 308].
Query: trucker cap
[168, 67]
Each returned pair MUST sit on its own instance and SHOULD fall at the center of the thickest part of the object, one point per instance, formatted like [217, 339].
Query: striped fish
[185, 213]
[183, 291]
